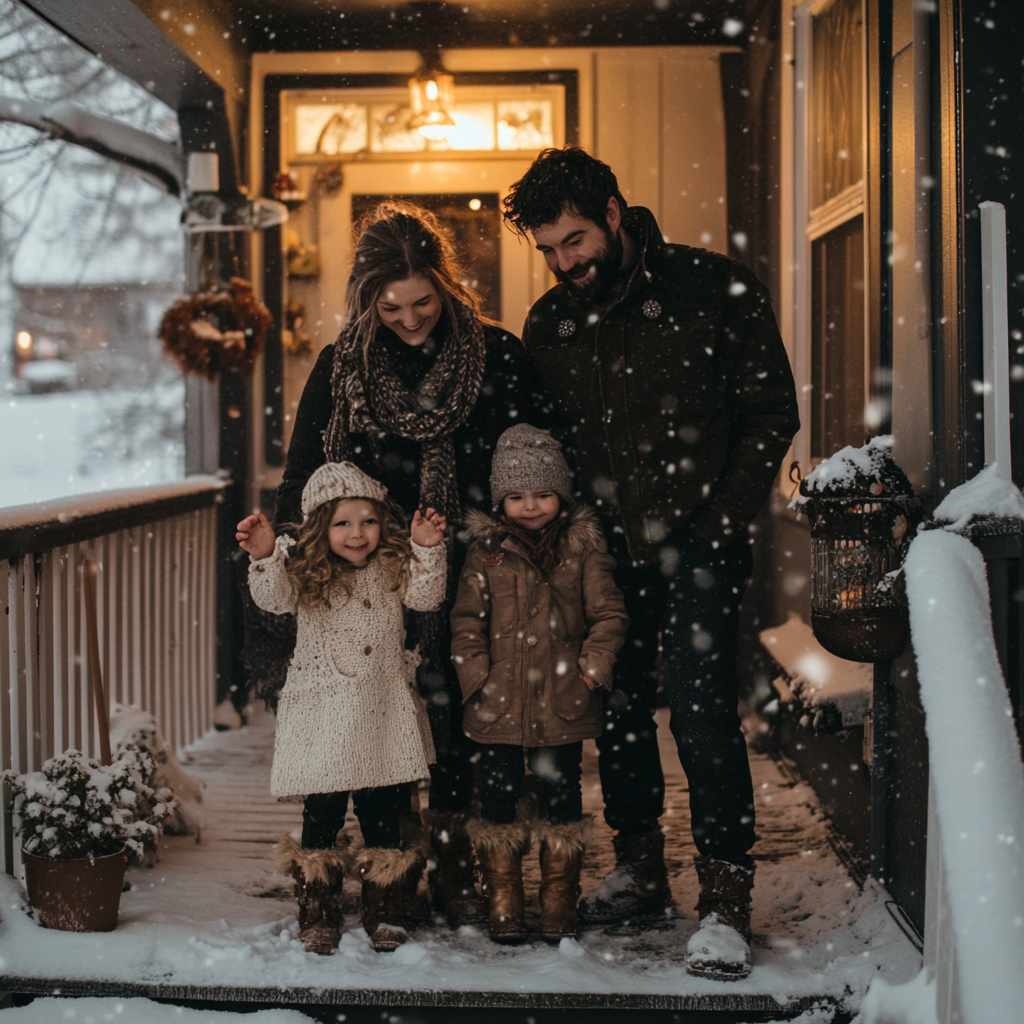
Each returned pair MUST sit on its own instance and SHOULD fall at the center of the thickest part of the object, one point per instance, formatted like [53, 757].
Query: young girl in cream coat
[349, 719]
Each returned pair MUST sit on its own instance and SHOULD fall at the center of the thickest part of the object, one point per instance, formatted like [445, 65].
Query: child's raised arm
[428, 567]
[256, 535]
[428, 530]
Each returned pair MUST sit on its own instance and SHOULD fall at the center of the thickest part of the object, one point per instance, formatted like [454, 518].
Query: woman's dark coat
[511, 393]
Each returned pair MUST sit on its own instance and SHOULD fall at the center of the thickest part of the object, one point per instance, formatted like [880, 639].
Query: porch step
[212, 923]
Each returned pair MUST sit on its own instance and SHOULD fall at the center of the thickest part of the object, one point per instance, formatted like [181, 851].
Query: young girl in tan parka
[536, 627]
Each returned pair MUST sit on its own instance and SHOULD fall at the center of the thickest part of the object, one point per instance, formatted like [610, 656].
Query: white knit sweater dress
[349, 715]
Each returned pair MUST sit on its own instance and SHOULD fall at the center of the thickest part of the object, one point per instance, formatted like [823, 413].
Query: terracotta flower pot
[78, 895]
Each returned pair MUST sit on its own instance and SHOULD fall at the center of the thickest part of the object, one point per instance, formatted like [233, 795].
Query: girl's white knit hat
[339, 480]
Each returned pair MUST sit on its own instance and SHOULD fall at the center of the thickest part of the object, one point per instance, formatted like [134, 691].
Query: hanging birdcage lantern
[862, 512]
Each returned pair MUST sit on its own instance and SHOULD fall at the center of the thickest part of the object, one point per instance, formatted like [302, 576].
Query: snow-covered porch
[212, 921]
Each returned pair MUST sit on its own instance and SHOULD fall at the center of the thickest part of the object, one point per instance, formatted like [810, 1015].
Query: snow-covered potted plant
[77, 818]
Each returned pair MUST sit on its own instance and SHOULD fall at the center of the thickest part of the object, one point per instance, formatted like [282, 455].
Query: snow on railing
[155, 548]
[977, 781]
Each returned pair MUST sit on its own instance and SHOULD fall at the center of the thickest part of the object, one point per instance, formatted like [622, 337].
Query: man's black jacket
[679, 396]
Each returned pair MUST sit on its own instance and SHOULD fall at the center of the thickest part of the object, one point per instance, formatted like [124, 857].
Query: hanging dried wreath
[216, 330]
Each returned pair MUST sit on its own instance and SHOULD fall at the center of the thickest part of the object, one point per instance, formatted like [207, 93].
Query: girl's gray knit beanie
[528, 459]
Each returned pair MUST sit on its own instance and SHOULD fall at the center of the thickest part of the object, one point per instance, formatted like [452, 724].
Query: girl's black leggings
[558, 771]
[378, 811]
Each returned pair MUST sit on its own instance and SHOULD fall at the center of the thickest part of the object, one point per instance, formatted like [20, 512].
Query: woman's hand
[592, 683]
[428, 530]
[255, 535]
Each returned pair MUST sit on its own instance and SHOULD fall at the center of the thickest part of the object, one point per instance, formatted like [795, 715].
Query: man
[668, 368]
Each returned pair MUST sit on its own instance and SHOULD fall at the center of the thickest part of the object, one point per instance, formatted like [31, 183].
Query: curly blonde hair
[316, 572]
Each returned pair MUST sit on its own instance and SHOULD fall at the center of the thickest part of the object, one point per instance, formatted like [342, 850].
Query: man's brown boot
[561, 860]
[636, 887]
[389, 879]
[500, 849]
[453, 882]
[318, 876]
[720, 948]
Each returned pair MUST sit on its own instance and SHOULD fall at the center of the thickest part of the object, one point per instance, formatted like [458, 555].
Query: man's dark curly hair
[561, 179]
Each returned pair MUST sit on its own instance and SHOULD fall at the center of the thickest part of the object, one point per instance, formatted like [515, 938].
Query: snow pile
[976, 769]
[987, 495]
[912, 1003]
[818, 680]
[91, 1010]
[849, 465]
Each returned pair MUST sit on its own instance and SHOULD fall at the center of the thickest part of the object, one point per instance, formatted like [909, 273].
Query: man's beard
[605, 265]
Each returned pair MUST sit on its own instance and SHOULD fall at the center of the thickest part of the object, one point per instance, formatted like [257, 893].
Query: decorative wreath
[216, 330]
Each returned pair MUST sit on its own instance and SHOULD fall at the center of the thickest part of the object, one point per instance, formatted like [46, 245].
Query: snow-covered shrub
[77, 807]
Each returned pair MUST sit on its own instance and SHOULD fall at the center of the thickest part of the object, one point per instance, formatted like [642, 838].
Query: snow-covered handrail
[44, 524]
[976, 771]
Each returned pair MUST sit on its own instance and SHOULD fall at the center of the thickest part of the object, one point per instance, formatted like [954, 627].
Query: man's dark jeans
[692, 598]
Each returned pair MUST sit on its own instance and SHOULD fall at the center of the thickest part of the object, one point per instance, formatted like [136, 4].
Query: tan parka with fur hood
[520, 637]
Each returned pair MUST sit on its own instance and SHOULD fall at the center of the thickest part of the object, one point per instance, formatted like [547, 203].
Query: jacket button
[531, 640]
[533, 610]
[366, 602]
[367, 649]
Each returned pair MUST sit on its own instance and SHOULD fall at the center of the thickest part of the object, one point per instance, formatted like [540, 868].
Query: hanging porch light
[432, 99]
[862, 513]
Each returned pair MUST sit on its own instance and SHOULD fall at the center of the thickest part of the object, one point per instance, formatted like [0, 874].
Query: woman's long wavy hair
[317, 572]
[398, 240]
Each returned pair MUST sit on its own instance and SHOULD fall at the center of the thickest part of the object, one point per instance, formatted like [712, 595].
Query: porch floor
[213, 921]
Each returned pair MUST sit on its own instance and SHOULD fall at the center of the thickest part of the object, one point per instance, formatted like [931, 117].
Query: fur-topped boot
[318, 875]
[720, 948]
[453, 881]
[561, 860]
[390, 878]
[500, 850]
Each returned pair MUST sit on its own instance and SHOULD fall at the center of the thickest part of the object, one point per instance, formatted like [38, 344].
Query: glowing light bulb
[474, 204]
[24, 342]
[431, 90]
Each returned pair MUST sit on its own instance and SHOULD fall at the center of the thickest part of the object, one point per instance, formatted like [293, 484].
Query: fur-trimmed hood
[581, 530]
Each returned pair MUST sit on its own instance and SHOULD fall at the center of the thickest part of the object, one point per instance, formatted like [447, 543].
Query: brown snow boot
[636, 887]
[318, 875]
[720, 948]
[453, 881]
[561, 860]
[390, 878]
[500, 849]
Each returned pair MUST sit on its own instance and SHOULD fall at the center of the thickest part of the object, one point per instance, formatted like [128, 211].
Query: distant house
[91, 281]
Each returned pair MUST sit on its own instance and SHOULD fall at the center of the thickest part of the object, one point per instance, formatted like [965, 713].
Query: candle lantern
[862, 514]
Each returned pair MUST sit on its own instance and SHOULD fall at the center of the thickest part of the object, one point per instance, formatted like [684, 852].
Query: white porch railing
[156, 589]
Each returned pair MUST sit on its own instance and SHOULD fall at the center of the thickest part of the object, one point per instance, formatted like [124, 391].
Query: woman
[416, 391]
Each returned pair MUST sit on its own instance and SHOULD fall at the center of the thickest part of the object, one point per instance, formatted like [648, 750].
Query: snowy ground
[80, 441]
[214, 915]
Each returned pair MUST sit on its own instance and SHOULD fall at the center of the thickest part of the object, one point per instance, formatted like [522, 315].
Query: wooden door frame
[273, 264]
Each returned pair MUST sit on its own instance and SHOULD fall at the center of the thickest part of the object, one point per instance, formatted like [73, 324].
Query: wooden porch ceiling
[283, 25]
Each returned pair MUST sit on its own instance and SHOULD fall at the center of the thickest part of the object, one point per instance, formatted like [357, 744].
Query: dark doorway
[474, 220]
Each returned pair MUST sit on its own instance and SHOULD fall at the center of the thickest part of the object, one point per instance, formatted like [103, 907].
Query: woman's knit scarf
[370, 399]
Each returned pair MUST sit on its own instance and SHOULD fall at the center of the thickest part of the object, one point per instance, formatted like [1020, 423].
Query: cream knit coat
[349, 715]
